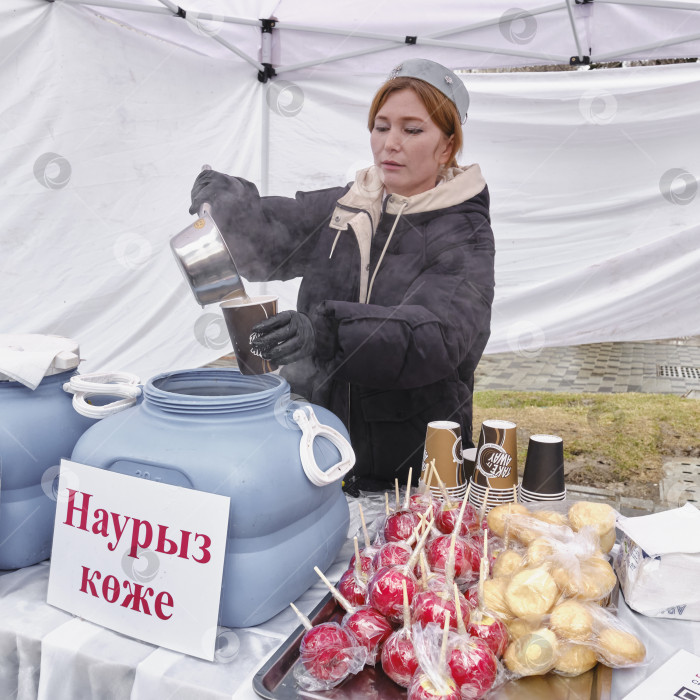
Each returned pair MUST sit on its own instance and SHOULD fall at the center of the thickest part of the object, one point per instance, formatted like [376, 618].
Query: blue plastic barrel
[37, 429]
[219, 431]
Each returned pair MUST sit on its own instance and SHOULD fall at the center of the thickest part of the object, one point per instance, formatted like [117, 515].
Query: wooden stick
[415, 534]
[344, 602]
[515, 493]
[386, 503]
[469, 489]
[443, 647]
[429, 474]
[302, 618]
[450, 568]
[482, 510]
[450, 563]
[416, 552]
[458, 607]
[406, 611]
[398, 498]
[422, 524]
[407, 501]
[443, 490]
[483, 572]
[364, 526]
[424, 570]
[358, 563]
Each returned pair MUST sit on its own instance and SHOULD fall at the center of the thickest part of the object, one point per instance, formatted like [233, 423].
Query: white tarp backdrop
[106, 116]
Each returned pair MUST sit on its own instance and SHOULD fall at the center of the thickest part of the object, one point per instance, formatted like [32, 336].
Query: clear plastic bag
[370, 628]
[392, 554]
[398, 657]
[328, 654]
[614, 643]
[353, 587]
[433, 678]
[467, 558]
[385, 591]
[434, 606]
[473, 666]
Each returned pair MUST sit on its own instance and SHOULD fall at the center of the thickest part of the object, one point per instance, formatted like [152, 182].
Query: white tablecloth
[48, 654]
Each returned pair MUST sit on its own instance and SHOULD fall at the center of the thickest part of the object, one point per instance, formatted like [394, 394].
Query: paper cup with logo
[443, 443]
[240, 316]
[496, 464]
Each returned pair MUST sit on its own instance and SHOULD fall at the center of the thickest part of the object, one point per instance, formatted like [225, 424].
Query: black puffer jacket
[395, 350]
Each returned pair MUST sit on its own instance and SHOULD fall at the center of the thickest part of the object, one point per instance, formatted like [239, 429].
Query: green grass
[629, 435]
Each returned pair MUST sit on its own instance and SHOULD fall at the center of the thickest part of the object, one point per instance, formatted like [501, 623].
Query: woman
[397, 275]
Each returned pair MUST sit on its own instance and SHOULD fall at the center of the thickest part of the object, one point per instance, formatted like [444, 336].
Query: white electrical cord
[118, 384]
[306, 419]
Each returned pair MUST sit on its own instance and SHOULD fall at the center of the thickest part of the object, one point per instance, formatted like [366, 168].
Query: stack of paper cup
[495, 476]
[543, 476]
[443, 445]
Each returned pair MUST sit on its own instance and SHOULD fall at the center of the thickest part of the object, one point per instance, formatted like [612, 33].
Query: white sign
[678, 678]
[143, 558]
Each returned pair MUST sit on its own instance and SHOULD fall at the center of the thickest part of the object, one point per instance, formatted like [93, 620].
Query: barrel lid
[31, 352]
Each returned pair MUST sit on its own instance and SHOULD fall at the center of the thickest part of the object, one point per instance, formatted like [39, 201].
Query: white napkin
[29, 366]
[671, 531]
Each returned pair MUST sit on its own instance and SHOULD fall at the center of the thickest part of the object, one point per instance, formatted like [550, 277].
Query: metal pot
[206, 262]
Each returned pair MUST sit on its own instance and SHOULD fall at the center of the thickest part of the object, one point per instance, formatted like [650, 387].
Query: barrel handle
[306, 419]
[121, 384]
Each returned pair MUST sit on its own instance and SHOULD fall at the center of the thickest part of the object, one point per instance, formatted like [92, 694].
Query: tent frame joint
[411, 40]
[265, 75]
[267, 24]
[580, 60]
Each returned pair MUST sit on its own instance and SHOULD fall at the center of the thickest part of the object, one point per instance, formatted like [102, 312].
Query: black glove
[210, 186]
[286, 337]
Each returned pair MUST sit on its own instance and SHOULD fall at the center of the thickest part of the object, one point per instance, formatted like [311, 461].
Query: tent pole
[265, 145]
[116, 5]
[402, 39]
[264, 154]
[426, 42]
[573, 29]
[488, 49]
[655, 3]
[492, 22]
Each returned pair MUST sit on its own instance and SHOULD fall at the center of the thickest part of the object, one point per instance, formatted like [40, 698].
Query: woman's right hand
[209, 186]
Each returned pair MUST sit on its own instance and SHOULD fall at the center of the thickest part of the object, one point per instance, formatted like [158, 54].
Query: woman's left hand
[286, 337]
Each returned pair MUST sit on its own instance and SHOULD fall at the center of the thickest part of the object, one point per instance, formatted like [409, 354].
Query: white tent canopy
[107, 114]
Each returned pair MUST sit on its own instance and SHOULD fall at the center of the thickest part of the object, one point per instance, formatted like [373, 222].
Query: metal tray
[275, 680]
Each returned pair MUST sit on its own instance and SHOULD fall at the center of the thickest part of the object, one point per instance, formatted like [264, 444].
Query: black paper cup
[544, 465]
[240, 316]
[469, 456]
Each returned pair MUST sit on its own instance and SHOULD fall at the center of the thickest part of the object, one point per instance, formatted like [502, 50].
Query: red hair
[441, 109]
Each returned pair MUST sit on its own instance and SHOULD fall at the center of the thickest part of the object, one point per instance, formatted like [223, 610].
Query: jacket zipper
[371, 223]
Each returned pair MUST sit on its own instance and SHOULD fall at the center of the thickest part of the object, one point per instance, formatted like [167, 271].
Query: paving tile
[608, 367]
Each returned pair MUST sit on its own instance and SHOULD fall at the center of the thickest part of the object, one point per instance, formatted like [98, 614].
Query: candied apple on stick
[368, 626]
[328, 654]
[433, 680]
[399, 660]
[385, 589]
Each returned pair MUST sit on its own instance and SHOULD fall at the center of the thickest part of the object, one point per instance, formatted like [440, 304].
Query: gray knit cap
[439, 77]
